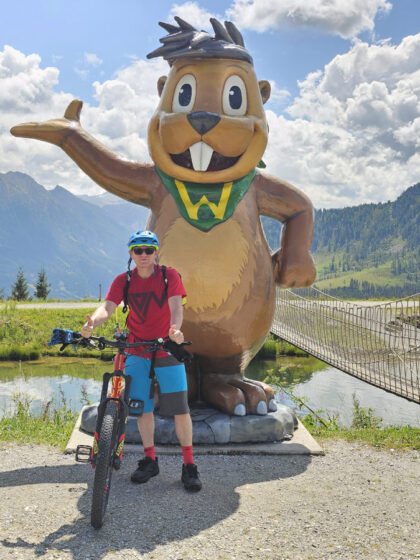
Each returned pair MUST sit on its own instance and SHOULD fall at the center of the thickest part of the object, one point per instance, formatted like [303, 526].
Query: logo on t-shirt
[140, 303]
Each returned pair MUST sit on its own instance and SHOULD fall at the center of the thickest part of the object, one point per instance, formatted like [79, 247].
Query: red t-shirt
[149, 315]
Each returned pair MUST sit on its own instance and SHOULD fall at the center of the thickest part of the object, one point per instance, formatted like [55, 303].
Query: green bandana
[204, 205]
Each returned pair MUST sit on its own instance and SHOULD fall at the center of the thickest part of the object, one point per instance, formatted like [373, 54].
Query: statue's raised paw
[54, 130]
[236, 395]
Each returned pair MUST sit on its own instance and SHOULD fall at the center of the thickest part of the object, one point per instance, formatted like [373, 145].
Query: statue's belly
[228, 277]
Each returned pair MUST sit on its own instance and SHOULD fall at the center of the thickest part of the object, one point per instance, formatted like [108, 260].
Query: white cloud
[278, 97]
[194, 14]
[83, 73]
[27, 93]
[23, 81]
[351, 136]
[410, 133]
[92, 59]
[85, 65]
[345, 18]
[354, 128]
[125, 106]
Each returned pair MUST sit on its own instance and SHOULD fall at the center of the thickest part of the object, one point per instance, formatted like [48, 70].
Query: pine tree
[20, 288]
[42, 288]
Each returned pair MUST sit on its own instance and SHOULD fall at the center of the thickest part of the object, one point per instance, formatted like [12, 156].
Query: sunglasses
[140, 250]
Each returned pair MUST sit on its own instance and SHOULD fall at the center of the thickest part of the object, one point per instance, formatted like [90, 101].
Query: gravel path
[353, 503]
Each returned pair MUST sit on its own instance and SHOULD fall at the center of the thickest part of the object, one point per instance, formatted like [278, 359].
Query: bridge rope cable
[377, 343]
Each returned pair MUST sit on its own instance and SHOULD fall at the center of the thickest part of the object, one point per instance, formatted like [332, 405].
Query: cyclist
[155, 310]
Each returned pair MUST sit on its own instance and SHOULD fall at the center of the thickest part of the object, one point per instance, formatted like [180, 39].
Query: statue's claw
[261, 408]
[240, 410]
[272, 405]
[238, 396]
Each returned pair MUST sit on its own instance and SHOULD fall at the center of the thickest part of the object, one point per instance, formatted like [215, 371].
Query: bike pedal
[136, 406]
[83, 453]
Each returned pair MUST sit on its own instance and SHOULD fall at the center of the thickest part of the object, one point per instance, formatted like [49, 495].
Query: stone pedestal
[210, 426]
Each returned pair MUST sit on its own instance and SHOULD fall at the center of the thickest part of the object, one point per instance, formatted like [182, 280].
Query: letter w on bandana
[204, 205]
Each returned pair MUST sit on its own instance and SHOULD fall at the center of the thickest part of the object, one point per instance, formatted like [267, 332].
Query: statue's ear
[265, 90]
[160, 84]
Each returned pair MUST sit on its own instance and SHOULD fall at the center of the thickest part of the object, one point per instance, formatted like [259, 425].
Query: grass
[385, 437]
[24, 333]
[380, 275]
[365, 428]
[52, 426]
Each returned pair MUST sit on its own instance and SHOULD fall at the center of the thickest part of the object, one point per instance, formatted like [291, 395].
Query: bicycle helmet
[145, 238]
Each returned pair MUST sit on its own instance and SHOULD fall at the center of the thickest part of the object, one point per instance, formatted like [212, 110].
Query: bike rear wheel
[107, 446]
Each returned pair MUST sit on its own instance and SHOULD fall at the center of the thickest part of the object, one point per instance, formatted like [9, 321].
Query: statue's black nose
[202, 122]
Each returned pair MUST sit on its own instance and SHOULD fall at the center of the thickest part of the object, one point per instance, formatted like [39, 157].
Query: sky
[344, 113]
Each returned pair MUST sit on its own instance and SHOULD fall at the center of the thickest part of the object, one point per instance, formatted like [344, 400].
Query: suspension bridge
[376, 343]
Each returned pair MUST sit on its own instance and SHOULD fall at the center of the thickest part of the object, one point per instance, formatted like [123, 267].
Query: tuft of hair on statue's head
[184, 41]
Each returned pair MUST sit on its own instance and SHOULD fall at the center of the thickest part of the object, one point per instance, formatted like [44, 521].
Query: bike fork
[88, 454]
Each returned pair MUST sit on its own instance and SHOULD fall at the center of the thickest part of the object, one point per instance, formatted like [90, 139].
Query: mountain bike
[115, 405]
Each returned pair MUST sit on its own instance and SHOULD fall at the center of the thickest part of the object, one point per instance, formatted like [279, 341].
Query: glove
[178, 351]
[63, 337]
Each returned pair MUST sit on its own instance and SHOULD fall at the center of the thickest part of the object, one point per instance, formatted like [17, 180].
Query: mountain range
[80, 240]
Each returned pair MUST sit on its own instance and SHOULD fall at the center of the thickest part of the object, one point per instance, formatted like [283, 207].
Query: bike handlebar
[66, 337]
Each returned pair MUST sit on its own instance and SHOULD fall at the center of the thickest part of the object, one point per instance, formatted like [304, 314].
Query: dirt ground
[355, 502]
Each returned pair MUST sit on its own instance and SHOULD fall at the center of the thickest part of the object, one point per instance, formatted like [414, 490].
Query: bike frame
[117, 377]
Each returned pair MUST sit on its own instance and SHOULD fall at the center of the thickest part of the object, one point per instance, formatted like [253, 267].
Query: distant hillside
[366, 250]
[79, 244]
[117, 209]
[361, 251]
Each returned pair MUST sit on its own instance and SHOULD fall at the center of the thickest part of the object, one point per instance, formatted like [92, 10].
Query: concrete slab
[78, 436]
[302, 443]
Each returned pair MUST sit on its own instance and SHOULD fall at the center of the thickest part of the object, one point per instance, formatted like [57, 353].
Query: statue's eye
[184, 95]
[234, 97]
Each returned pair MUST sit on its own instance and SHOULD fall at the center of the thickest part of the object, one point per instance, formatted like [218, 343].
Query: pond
[324, 387]
[51, 379]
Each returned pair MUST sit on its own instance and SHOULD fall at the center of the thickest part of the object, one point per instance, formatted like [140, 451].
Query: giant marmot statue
[206, 139]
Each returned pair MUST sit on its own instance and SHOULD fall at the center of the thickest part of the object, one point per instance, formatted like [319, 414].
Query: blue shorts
[171, 377]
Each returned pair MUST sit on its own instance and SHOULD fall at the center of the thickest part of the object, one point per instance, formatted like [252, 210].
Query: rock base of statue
[210, 426]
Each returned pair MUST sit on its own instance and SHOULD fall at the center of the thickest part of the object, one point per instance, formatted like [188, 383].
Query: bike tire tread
[104, 467]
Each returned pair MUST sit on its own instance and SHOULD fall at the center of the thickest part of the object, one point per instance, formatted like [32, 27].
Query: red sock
[150, 452]
[187, 453]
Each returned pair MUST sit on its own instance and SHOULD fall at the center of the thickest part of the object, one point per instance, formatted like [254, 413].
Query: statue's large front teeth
[200, 156]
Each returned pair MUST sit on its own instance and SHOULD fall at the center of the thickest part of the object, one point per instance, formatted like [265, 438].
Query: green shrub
[364, 417]
[269, 349]
[275, 346]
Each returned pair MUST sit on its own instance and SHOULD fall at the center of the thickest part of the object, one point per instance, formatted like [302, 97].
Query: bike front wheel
[107, 446]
